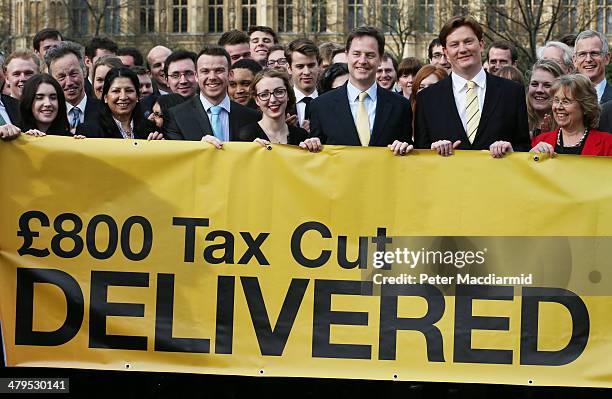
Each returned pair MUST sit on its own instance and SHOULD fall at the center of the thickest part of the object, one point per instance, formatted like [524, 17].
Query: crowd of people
[249, 87]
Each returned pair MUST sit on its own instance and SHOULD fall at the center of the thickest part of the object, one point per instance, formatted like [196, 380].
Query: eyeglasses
[280, 61]
[156, 114]
[594, 54]
[565, 102]
[186, 74]
[279, 94]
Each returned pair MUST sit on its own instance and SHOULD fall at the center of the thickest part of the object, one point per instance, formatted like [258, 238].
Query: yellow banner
[350, 263]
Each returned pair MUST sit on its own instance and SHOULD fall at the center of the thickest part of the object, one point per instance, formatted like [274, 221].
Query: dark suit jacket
[12, 109]
[189, 121]
[332, 122]
[92, 109]
[89, 88]
[503, 117]
[596, 143]
[605, 119]
[607, 94]
[96, 129]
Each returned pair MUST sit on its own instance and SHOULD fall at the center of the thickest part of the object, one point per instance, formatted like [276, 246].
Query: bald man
[156, 59]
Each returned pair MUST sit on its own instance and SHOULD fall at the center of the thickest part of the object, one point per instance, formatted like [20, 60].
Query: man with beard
[66, 65]
[210, 116]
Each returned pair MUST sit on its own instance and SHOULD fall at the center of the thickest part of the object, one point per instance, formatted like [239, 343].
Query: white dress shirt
[369, 102]
[460, 91]
[299, 105]
[600, 88]
[80, 106]
[224, 115]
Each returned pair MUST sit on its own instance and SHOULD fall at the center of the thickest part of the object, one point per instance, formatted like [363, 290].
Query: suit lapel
[344, 115]
[383, 110]
[234, 119]
[492, 96]
[203, 124]
[448, 103]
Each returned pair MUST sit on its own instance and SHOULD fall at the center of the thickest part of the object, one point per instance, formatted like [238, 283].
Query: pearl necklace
[578, 144]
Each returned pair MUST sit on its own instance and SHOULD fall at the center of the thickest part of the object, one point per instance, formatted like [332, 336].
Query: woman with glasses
[576, 112]
[121, 116]
[273, 94]
[161, 106]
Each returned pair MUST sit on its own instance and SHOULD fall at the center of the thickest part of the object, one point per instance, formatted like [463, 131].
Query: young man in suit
[361, 113]
[470, 110]
[66, 65]
[210, 116]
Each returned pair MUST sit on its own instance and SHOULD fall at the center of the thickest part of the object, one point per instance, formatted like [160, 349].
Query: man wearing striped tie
[470, 110]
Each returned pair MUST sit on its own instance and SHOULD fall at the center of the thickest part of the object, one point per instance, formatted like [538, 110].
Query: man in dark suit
[591, 56]
[361, 113]
[210, 116]
[470, 110]
[66, 65]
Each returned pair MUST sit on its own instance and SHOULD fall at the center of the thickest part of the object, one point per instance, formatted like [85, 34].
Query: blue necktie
[215, 122]
[75, 117]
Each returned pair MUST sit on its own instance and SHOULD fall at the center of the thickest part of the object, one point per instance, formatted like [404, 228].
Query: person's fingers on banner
[312, 144]
[9, 132]
[155, 136]
[35, 132]
[213, 140]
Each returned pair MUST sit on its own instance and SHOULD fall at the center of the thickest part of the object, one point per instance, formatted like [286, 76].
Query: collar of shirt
[80, 105]
[125, 134]
[460, 83]
[225, 104]
[353, 92]
[600, 88]
[299, 95]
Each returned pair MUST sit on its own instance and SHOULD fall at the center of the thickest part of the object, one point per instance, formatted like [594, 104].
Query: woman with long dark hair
[43, 107]
[121, 116]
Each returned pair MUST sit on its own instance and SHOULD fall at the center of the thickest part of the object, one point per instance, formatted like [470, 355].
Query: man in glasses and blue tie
[210, 116]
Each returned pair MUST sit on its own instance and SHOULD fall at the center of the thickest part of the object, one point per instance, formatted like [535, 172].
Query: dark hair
[216, 51]
[100, 43]
[140, 70]
[409, 66]
[303, 46]
[276, 47]
[233, 36]
[337, 51]
[569, 39]
[249, 64]
[504, 46]
[457, 22]
[388, 56]
[274, 73]
[331, 73]
[106, 116]
[511, 72]
[168, 101]
[326, 50]
[435, 42]
[367, 31]
[264, 29]
[47, 33]
[134, 52]
[177, 56]
[60, 124]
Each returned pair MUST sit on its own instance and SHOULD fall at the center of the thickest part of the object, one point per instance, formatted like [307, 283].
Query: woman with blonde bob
[273, 95]
[539, 103]
[576, 112]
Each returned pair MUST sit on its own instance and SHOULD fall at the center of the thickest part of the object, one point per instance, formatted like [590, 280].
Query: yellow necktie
[363, 122]
[472, 111]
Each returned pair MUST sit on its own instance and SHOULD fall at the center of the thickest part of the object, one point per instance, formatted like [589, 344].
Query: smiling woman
[121, 115]
[43, 106]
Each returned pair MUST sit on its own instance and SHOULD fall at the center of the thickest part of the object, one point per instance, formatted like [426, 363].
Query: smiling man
[242, 74]
[481, 111]
[386, 75]
[210, 116]
[261, 38]
[20, 66]
[180, 71]
[361, 113]
[591, 55]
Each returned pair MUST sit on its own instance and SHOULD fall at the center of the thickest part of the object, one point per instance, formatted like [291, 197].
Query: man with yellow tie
[361, 113]
[470, 110]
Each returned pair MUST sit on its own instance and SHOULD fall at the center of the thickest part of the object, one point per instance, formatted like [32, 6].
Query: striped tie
[472, 111]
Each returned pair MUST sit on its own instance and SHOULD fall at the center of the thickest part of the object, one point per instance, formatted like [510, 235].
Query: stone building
[190, 23]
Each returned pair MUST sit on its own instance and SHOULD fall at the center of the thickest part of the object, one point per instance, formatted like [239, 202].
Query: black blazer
[189, 121]
[503, 117]
[253, 131]
[332, 122]
[92, 109]
[605, 118]
[12, 109]
[607, 94]
[97, 129]
[88, 87]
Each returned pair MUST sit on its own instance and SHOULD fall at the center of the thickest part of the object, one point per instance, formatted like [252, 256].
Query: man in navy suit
[361, 113]
[470, 110]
